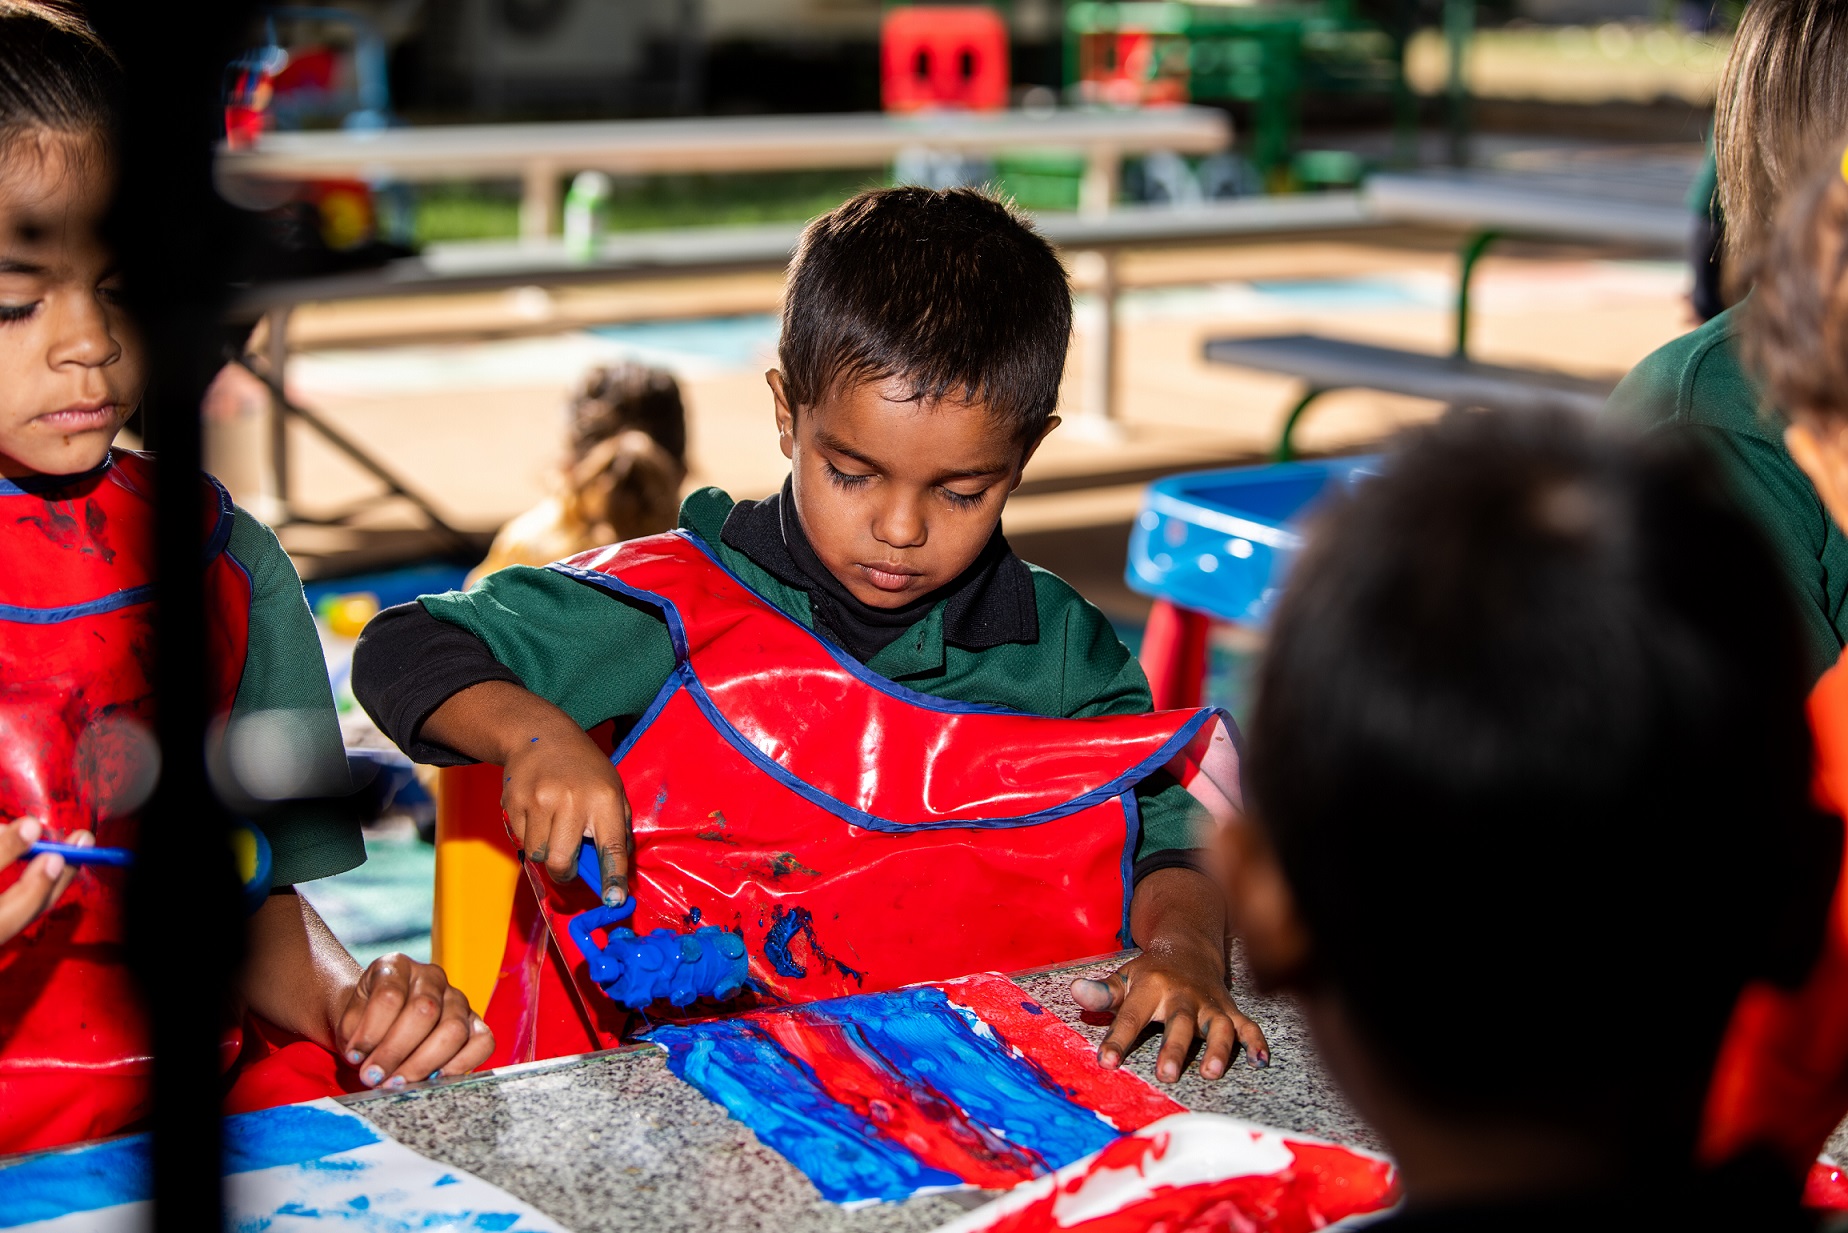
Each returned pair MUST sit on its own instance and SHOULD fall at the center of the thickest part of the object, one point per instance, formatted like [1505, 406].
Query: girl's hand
[43, 880]
[402, 1022]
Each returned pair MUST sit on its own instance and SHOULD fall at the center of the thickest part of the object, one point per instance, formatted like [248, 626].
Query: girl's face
[72, 367]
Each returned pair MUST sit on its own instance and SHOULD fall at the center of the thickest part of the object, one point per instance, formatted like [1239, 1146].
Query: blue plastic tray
[1220, 542]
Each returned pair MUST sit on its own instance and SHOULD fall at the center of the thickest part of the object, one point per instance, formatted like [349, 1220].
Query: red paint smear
[1324, 1184]
[1825, 1188]
[1067, 1058]
[929, 1125]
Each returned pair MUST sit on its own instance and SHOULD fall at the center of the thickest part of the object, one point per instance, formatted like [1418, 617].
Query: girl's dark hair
[951, 291]
[54, 72]
[1530, 741]
[1796, 324]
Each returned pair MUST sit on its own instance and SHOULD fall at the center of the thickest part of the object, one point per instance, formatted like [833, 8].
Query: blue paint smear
[927, 1044]
[929, 1041]
[780, 1099]
[121, 1171]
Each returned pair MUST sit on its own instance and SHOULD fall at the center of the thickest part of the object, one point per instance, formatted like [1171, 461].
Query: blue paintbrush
[120, 857]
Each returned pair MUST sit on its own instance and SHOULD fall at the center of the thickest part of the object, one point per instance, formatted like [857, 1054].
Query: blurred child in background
[1527, 793]
[76, 701]
[621, 477]
[1783, 97]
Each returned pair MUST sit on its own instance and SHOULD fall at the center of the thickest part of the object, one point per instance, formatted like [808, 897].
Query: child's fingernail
[1260, 1060]
[394, 1083]
[434, 1076]
[54, 866]
[616, 893]
[83, 839]
[372, 1076]
[1109, 1057]
[30, 829]
[355, 1057]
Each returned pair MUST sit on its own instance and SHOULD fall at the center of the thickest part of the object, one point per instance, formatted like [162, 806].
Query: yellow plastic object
[476, 874]
[346, 615]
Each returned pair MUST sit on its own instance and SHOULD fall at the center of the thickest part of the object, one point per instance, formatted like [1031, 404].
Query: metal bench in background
[1642, 214]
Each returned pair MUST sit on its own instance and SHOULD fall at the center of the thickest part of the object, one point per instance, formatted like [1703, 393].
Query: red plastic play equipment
[943, 56]
[858, 835]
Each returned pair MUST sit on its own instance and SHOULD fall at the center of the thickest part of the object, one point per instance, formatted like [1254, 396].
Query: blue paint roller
[636, 970]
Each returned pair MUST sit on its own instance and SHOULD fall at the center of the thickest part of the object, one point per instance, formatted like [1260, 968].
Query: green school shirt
[598, 656]
[1698, 383]
[284, 669]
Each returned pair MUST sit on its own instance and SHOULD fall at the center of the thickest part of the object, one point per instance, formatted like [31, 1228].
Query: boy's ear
[785, 414]
[1261, 907]
[1026, 456]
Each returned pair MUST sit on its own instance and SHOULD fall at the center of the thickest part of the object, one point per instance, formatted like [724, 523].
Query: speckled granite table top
[615, 1142]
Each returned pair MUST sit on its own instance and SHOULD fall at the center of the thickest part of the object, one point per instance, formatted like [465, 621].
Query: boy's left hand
[403, 1022]
[1179, 980]
[1188, 996]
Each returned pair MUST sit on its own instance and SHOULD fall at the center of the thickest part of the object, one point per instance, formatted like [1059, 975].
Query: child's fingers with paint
[1187, 999]
[403, 1022]
[561, 788]
[43, 880]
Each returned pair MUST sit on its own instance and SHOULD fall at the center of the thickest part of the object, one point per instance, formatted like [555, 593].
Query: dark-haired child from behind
[1527, 808]
[924, 337]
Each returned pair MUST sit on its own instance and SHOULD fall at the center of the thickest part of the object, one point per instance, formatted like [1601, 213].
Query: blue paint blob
[1031, 1009]
[780, 1098]
[786, 924]
[692, 916]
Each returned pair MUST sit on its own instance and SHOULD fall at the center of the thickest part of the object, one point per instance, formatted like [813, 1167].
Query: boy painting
[924, 336]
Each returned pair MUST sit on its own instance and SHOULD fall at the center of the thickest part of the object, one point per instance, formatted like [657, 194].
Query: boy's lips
[889, 577]
[81, 417]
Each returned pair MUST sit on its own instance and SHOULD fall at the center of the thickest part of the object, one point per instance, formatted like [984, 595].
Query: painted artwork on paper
[1197, 1173]
[288, 1170]
[965, 1083]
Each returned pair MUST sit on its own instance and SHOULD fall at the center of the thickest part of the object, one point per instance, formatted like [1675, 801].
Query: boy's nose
[900, 524]
[81, 334]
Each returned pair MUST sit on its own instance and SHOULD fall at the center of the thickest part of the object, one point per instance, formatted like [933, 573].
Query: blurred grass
[492, 211]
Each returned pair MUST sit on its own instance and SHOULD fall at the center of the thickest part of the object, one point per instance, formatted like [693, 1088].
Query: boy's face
[897, 497]
[71, 364]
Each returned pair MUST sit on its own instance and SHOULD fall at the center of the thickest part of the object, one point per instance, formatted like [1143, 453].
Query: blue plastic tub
[1220, 542]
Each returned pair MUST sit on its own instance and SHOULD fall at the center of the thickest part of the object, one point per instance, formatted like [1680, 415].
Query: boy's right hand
[560, 788]
[43, 880]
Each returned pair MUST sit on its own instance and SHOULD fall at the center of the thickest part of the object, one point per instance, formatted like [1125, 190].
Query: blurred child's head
[924, 337]
[1782, 97]
[1528, 782]
[1797, 327]
[71, 365]
[624, 487]
[621, 397]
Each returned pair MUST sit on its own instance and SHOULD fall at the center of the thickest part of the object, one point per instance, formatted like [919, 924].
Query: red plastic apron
[858, 834]
[1781, 1079]
[76, 749]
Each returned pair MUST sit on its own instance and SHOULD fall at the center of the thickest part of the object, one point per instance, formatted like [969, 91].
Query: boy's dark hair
[1530, 742]
[1796, 334]
[951, 291]
[54, 73]
[620, 397]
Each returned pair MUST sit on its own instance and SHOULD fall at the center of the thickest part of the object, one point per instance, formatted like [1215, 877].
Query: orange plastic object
[944, 56]
[476, 871]
[1781, 1079]
[1174, 655]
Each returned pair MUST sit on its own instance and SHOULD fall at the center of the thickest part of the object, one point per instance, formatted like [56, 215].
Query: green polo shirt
[284, 670]
[1699, 383]
[598, 656]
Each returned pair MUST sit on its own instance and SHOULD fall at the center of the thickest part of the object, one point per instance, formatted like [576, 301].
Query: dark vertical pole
[186, 933]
